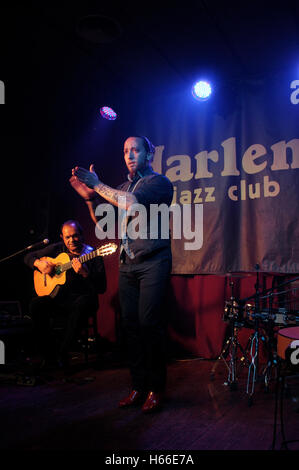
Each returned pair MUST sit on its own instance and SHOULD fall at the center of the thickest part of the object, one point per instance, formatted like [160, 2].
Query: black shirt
[151, 188]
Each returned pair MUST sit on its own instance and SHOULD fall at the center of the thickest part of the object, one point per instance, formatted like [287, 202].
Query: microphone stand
[19, 252]
[14, 254]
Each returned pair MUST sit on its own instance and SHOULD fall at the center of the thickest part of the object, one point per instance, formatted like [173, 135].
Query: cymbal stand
[270, 345]
[231, 346]
[269, 339]
[254, 348]
[252, 370]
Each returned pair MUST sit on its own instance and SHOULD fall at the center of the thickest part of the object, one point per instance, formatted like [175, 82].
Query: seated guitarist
[74, 301]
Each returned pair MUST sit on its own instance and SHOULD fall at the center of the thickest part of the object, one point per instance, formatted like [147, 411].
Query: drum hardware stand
[231, 348]
[271, 354]
[254, 348]
[272, 360]
[255, 344]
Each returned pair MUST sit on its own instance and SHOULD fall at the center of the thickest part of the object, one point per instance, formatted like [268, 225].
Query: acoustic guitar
[49, 284]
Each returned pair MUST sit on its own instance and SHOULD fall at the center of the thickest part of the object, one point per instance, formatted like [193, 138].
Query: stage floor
[79, 411]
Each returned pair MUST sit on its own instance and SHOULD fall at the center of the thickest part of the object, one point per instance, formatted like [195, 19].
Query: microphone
[38, 244]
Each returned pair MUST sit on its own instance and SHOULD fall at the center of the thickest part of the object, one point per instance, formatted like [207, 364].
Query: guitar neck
[82, 259]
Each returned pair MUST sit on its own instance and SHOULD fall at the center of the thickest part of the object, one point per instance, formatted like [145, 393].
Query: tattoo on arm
[121, 199]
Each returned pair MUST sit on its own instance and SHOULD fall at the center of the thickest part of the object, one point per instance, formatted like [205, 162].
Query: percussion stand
[271, 354]
[272, 361]
[231, 348]
[254, 348]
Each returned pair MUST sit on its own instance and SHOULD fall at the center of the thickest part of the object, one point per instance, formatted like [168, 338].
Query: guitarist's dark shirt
[75, 284]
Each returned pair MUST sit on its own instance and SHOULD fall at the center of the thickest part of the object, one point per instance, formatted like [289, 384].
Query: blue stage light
[108, 113]
[201, 90]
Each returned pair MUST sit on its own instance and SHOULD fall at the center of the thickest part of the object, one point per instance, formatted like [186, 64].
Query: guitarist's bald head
[73, 223]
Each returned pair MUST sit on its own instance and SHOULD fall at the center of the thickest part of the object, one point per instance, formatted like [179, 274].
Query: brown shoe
[153, 402]
[134, 398]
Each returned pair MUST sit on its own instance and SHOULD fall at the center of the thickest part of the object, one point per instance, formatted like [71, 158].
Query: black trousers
[70, 311]
[141, 288]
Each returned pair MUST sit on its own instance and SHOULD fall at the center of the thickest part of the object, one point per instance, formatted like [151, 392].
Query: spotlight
[108, 113]
[201, 90]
